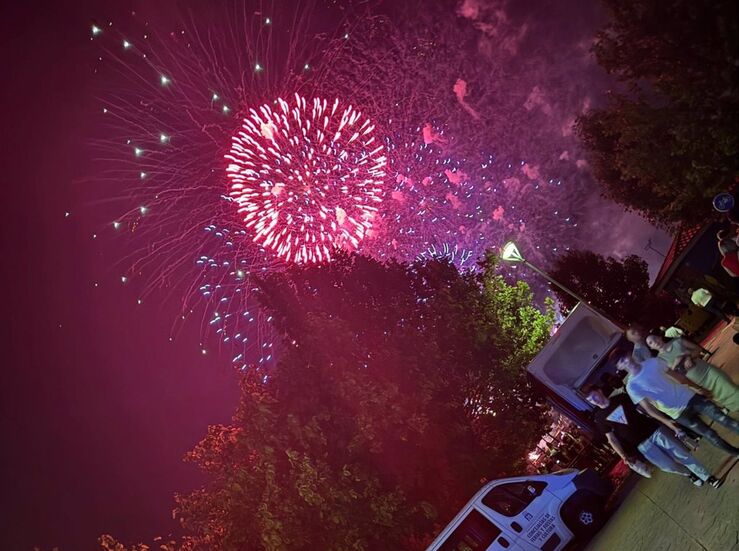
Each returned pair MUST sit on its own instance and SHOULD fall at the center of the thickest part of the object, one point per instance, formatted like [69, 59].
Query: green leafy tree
[668, 144]
[619, 288]
[398, 390]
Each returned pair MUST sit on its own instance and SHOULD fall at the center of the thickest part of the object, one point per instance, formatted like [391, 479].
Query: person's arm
[653, 412]
[690, 347]
[683, 380]
[686, 360]
[676, 362]
[617, 447]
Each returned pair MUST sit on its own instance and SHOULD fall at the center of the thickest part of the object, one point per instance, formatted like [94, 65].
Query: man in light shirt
[701, 297]
[634, 436]
[673, 332]
[651, 385]
[705, 299]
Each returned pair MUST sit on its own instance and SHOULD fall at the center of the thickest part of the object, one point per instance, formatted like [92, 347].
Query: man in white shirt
[705, 299]
[651, 386]
[673, 332]
[634, 436]
[701, 297]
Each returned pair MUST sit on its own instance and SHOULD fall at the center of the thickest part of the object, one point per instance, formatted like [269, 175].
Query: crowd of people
[668, 386]
[723, 304]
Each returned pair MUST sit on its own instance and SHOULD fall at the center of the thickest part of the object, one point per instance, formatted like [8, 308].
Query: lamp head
[510, 253]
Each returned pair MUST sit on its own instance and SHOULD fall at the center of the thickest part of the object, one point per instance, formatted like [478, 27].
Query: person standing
[684, 359]
[633, 436]
[636, 335]
[672, 404]
[672, 332]
[729, 249]
[705, 299]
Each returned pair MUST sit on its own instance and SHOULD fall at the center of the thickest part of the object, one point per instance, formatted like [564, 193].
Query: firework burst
[307, 178]
[478, 152]
[174, 104]
[462, 258]
[425, 145]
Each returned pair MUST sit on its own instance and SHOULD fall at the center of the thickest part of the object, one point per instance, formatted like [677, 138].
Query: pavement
[668, 513]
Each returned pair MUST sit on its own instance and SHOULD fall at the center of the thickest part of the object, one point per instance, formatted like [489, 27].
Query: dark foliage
[619, 288]
[399, 390]
[668, 144]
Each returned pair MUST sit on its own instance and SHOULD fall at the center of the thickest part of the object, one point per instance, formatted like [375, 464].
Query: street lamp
[510, 253]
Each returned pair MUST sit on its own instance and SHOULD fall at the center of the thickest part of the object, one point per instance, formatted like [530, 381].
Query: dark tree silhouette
[398, 390]
[619, 288]
[666, 145]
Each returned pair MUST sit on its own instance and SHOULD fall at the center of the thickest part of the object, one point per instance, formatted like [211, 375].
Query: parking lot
[668, 513]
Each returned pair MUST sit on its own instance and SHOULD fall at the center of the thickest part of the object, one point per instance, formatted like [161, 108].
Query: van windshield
[473, 533]
[512, 498]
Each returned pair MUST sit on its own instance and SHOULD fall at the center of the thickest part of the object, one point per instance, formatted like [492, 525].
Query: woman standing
[683, 358]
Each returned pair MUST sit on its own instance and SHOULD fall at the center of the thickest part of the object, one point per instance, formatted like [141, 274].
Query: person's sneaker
[640, 467]
[696, 481]
[714, 482]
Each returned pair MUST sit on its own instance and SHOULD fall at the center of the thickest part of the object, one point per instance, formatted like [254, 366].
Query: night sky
[98, 406]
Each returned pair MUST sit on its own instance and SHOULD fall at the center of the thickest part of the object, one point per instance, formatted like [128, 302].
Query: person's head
[626, 363]
[656, 342]
[726, 246]
[635, 334]
[722, 234]
[595, 395]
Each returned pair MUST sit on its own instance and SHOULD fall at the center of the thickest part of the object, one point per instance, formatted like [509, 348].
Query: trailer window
[512, 498]
[474, 533]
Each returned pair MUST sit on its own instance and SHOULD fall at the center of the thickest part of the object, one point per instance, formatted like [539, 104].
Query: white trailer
[576, 354]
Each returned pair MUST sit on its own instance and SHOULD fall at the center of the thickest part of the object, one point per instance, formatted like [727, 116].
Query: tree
[619, 288]
[398, 390]
[669, 144]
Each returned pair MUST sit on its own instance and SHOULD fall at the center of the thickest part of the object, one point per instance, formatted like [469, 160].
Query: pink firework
[306, 177]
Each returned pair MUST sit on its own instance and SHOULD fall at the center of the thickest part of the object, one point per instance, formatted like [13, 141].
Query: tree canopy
[619, 288]
[668, 144]
[398, 390]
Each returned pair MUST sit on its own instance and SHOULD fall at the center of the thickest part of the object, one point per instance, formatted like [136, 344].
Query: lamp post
[510, 253]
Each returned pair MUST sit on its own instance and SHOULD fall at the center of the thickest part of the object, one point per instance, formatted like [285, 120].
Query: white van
[527, 513]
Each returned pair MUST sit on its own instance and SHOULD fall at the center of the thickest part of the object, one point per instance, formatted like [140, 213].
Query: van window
[473, 533]
[512, 498]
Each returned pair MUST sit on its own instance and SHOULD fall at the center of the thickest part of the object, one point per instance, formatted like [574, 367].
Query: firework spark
[172, 105]
[426, 145]
[307, 178]
[451, 253]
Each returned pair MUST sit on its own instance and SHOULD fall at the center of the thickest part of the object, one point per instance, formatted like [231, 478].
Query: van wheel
[586, 518]
[583, 514]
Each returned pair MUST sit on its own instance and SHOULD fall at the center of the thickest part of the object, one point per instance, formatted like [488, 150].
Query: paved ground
[667, 513]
